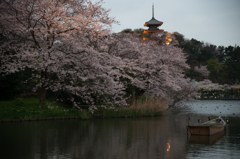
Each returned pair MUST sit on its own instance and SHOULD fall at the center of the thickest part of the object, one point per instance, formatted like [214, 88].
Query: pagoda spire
[153, 10]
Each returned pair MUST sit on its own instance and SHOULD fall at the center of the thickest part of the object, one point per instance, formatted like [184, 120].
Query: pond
[126, 138]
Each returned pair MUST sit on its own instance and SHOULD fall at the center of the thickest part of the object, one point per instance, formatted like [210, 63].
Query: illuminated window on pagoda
[168, 39]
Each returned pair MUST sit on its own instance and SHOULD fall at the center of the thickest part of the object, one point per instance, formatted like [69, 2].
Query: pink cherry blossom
[69, 46]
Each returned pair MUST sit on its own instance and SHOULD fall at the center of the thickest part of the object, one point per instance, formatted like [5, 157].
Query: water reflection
[113, 138]
[168, 145]
[140, 138]
[201, 139]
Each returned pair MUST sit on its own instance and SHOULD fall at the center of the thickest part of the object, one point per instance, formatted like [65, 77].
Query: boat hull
[205, 130]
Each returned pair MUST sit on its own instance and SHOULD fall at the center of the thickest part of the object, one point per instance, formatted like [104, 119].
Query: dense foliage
[221, 62]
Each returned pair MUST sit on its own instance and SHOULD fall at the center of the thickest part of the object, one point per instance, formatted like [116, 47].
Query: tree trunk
[133, 97]
[43, 92]
[42, 96]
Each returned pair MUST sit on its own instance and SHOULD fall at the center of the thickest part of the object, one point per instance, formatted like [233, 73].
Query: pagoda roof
[156, 30]
[153, 21]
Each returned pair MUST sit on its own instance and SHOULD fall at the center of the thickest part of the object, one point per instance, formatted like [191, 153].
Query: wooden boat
[211, 127]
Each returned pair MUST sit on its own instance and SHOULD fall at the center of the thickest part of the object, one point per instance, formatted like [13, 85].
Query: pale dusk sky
[211, 21]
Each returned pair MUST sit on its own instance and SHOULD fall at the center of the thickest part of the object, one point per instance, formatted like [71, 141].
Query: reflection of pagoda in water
[152, 25]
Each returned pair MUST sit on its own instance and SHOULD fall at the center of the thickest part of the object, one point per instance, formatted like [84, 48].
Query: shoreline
[37, 119]
[25, 110]
[73, 118]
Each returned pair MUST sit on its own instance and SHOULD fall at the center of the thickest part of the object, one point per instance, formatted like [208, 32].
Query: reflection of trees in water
[138, 138]
[111, 138]
[158, 137]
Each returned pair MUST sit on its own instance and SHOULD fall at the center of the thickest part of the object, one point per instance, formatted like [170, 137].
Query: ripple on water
[214, 107]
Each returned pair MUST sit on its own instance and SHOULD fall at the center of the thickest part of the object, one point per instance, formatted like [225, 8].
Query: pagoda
[152, 25]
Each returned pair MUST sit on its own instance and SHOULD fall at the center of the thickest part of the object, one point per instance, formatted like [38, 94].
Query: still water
[162, 137]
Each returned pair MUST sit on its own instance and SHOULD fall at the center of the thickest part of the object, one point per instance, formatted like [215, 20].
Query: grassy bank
[28, 108]
[141, 108]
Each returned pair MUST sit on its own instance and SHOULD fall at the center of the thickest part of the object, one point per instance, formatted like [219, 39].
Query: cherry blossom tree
[58, 39]
[202, 70]
[189, 91]
[205, 84]
[157, 69]
[68, 45]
